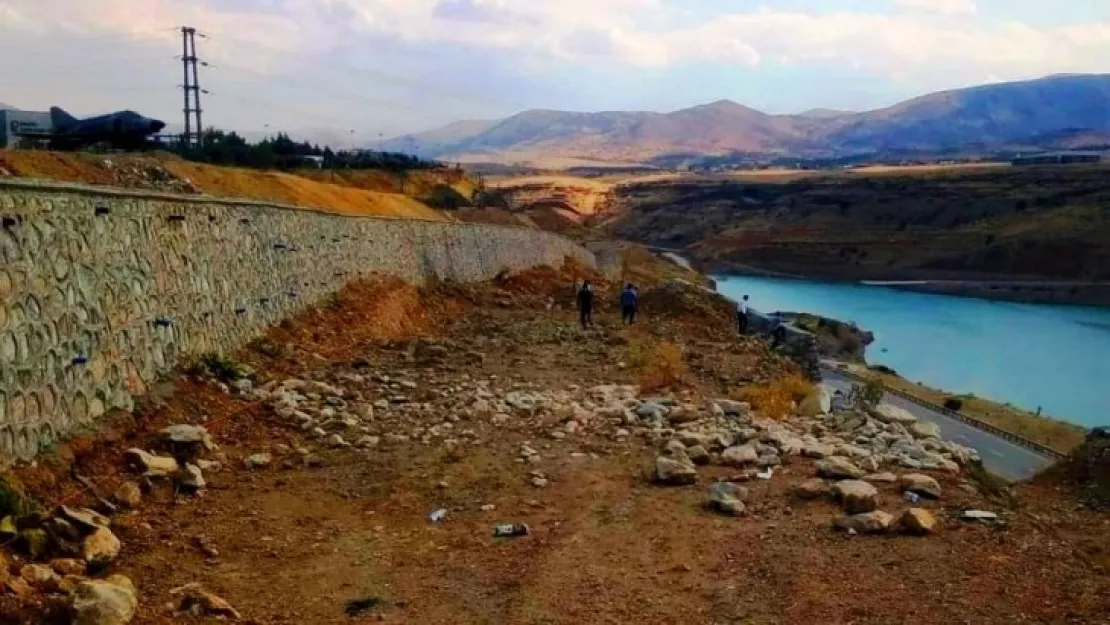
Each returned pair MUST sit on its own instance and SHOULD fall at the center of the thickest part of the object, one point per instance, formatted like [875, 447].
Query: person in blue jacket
[630, 302]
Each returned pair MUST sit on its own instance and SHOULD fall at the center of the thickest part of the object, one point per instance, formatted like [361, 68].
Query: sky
[351, 70]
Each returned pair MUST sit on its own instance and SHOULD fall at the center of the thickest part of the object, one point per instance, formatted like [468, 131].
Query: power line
[191, 87]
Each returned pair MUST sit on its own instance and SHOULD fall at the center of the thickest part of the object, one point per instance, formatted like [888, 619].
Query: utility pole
[191, 86]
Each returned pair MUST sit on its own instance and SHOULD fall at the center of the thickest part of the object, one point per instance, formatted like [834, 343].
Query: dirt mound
[1087, 470]
[678, 298]
[164, 172]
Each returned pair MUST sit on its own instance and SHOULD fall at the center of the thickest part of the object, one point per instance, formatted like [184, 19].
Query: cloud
[942, 7]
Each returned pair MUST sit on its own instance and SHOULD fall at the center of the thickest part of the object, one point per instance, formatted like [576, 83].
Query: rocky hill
[993, 116]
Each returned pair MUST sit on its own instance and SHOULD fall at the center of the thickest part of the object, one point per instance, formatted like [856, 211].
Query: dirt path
[294, 542]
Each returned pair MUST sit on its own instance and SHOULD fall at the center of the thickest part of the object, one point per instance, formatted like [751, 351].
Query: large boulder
[818, 402]
[925, 429]
[109, 601]
[875, 522]
[857, 496]
[889, 413]
[740, 456]
[671, 471]
[839, 468]
[921, 485]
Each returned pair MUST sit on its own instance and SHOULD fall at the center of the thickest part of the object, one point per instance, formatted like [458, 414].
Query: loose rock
[875, 522]
[100, 547]
[258, 461]
[199, 602]
[129, 494]
[918, 521]
[923, 429]
[882, 478]
[149, 464]
[110, 601]
[857, 496]
[698, 455]
[727, 498]
[672, 472]
[921, 485]
[740, 456]
[839, 468]
[813, 488]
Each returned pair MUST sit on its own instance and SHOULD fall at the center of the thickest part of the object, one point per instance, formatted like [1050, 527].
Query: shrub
[221, 367]
[867, 395]
[777, 399]
[658, 365]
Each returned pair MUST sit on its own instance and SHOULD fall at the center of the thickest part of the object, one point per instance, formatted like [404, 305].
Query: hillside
[996, 116]
[966, 224]
[168, 173]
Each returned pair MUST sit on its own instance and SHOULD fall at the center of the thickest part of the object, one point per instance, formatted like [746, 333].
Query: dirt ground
[292, 544]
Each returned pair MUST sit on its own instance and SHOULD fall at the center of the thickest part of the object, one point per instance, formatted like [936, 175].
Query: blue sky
[390, 66]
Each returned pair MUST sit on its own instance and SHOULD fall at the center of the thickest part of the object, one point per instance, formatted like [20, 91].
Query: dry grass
[658, 365]
[778, 399]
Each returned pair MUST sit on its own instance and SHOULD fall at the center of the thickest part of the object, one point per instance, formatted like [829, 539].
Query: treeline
[281, 152]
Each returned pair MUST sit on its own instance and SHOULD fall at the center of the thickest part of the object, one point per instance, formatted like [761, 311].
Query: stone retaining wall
[102, 290]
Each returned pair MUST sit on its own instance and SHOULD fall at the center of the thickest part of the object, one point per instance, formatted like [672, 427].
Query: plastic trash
[510, 530]
[912, 497]
[766, 473]
[437, 515]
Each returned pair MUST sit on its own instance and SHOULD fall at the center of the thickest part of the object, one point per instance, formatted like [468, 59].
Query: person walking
[742, 315]
[585, 305]
[630, 301]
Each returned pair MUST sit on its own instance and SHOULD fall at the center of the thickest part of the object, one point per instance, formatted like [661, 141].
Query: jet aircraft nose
[157, 126]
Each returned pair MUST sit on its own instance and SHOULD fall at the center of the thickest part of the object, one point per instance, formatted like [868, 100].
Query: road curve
[1000, 457]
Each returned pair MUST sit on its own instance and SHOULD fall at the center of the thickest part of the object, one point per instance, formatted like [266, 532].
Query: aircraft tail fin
[61, 119]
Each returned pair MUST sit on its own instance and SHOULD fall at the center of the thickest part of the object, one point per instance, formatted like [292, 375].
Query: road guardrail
[958, 416]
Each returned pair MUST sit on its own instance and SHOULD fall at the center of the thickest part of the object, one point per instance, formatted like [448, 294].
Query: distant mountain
[990, 116]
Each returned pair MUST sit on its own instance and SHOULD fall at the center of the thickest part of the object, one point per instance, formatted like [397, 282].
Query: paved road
[1000, 457]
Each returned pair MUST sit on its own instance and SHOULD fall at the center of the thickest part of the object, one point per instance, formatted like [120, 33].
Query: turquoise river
[1029, 355]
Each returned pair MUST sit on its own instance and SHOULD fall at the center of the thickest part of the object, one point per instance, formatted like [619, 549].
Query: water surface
[1030, 355]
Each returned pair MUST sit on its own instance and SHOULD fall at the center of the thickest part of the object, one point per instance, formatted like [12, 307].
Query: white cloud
[942, 7]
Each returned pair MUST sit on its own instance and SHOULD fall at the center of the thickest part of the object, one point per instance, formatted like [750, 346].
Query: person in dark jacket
[585, 305]
[630, 301]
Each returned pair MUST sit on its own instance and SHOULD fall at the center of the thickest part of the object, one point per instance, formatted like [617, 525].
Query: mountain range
[1018, 115]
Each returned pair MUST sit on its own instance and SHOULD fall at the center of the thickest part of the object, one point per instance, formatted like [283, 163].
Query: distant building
[1058, 158]
[318, 161]
[13, 124]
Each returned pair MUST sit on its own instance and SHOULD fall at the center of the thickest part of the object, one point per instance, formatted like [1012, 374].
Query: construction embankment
[103, 290]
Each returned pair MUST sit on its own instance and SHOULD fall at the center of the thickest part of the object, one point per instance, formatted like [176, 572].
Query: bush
[867, 395]
[658, 365]
[445, 197]
[217, 366]
[776, 400]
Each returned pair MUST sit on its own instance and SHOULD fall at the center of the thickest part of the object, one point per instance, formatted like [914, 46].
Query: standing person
[585, 305]
[630, 301]
[742, 315]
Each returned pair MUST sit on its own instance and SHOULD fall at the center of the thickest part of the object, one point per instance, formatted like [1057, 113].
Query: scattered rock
[197, 601]
[100, 547]
[68, 566]
[41, 577]
[36, 541]
[190, 478]
[875, 522]
[149, 464]
[128, 494]
[921, 485]
[882, 478]
[674, 472]
[857, 496]
[981, 516]
[818, 402]
[813, 488]
[337, 441]
[258, 461]
[111, 601]
[539, 481]
[87, 520]
[918, 521]
[727, 498]
[888, 413]
[683, 414]
[183, 434]
[740, 456]
[698, 455]
[839, 468]
[817, 450]
[923, 429]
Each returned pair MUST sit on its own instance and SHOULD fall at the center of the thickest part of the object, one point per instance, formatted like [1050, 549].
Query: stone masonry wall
[102, 290]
